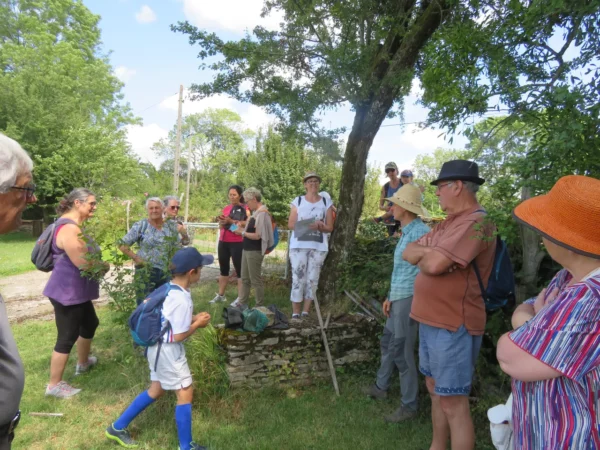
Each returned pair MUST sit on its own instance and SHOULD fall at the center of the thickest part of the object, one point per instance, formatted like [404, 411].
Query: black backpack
[41, 255]
[500, 292]
[233, 317]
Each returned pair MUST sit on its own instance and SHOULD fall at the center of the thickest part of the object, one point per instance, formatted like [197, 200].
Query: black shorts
[72, 322]
[233, 250]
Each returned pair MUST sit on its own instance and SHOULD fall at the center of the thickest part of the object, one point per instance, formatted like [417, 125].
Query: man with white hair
[447, 301]
[16, 192]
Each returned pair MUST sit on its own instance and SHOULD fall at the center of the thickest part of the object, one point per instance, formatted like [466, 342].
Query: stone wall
[296, 356]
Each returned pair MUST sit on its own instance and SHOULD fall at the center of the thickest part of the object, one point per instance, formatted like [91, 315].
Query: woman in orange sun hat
[553, 354]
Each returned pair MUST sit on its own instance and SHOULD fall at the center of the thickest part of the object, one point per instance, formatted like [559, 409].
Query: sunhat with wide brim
[409, 198]
[311, 175]
[568, 215]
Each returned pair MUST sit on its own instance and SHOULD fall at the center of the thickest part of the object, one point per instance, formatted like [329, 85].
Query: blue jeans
[147, 279]
[449, 358]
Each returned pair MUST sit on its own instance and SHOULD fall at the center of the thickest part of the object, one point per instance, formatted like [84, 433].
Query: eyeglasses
[92, 204]
[30, 190]
[390, 170]
[313, 182]
[175, 207]
[440, 186]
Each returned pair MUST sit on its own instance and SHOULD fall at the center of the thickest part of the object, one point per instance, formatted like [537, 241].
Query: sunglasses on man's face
[175, 207]
[390, 170]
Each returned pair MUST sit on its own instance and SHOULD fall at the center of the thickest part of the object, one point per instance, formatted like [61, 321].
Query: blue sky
[152, 61]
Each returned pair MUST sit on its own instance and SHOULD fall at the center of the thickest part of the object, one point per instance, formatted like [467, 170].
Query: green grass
[287, 418]
[15, 253]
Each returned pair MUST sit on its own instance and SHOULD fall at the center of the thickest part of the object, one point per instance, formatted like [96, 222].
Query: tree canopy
[60, 99]
[470, 56]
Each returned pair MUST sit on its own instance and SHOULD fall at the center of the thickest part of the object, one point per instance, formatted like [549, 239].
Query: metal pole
[178, 142]
[187, 187]
[325, 343]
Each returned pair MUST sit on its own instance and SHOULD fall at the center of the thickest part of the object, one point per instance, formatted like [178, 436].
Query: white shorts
[172, 371]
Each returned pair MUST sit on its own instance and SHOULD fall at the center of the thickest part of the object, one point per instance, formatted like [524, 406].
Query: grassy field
[308, 418]
[15, 253]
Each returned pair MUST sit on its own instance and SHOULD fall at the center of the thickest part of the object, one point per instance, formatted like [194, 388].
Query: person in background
[169, 370]
[447, 301]
[258, 237]
[157, 240]
[172, 206]
[16, 192]
[387, 191]
[308, 250]
[231, 244]
[553, 354]
[406, 176]
[400, 332]
[71, 292]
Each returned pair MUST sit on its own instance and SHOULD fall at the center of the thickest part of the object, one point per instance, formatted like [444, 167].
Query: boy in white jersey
[172, 371]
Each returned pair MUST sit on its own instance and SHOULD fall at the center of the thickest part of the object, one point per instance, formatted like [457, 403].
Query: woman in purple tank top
[70, 292]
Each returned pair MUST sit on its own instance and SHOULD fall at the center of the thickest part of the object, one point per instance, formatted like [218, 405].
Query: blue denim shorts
[449, 358]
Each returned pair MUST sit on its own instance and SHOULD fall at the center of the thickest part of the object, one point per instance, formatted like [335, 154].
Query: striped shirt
[404, 273]
[563, 412]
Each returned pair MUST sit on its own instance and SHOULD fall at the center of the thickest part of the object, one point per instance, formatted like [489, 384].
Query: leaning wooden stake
[325, 343]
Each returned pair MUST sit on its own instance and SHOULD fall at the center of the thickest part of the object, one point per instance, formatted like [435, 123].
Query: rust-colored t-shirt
[454, 298]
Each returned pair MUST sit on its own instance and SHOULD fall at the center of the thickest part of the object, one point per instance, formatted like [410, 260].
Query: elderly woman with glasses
[553, 353]
[71, 292]
[311, 218]
[172, 206]
[157, 240]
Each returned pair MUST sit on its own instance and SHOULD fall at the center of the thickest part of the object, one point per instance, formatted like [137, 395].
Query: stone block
[269, 341]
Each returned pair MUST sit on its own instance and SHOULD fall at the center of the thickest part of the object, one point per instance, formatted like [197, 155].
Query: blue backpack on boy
[145, 323]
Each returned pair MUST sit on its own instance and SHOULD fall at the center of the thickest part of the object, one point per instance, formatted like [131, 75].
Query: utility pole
[187, 187]
[178, 143]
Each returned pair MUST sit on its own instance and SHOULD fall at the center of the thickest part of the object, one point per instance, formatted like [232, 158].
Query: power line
[152, 106]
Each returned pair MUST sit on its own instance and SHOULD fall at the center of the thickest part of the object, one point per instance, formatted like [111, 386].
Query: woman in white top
[311, 218]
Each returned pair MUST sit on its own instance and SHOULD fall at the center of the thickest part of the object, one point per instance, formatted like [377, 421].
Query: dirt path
[24, 299]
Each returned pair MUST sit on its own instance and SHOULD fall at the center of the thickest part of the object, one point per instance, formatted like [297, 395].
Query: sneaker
[194, 446]
[62, 390]
[122, 437]
[374, 392]
[304, 315]
[236, 303]
[218, 298]
[83, 368]
[400, 415]
[296, 318]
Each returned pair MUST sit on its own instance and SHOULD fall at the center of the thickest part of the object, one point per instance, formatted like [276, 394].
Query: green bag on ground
[255, 321]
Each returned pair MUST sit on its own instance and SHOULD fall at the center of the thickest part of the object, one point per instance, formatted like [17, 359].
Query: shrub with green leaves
[369, 267]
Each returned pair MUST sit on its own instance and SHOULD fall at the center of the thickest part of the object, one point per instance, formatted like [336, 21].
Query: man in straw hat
[400, 332]
[448, 303]
[553, 355]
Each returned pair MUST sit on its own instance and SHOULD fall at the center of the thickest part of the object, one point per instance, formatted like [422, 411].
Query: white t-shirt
[318, 211]
[178, 310]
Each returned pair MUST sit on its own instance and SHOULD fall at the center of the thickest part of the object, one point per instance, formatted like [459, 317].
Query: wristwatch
[243, 233]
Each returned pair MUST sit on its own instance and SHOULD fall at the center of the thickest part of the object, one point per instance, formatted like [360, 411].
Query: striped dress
[561, 413]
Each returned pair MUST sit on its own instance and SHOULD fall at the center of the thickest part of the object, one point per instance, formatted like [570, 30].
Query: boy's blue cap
[189, 258]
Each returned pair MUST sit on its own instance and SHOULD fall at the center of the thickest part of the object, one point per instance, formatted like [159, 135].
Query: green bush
[369, 267]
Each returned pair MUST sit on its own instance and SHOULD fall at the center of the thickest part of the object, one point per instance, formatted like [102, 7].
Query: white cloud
[142, 137]
[233, 15]
[124, 73]
[145, 15]
[253, 116]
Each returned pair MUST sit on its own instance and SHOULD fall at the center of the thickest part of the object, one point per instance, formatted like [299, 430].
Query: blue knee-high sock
[183, 418]
[140, 403]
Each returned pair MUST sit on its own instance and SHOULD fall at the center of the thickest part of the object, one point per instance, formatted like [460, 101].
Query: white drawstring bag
[500, 417]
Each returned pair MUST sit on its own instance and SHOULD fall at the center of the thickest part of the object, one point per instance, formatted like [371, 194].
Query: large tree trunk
[352, 193]
[396, 59]
[532, 258]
